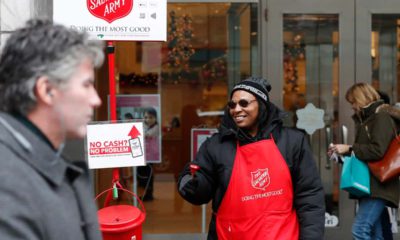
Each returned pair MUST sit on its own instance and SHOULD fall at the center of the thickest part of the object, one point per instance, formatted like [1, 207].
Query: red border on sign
[195, 141]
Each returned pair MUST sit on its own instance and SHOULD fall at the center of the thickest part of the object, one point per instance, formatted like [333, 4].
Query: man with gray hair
[47, 96]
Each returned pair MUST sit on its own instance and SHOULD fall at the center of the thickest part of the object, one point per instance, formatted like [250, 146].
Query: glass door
[315, 50]
[310, 59]
[378, 54]
[378, 35]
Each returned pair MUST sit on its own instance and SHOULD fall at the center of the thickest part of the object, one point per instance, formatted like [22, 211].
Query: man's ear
[44, 90]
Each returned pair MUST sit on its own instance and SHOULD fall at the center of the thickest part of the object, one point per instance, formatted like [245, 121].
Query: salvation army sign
[115, 145]
[109, 10]
[137, 20]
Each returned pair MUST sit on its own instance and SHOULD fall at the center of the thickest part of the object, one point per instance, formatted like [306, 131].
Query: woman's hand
[338, 148]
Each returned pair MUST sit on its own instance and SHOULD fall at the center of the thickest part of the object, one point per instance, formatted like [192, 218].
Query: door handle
[345, 134]
[328, 140]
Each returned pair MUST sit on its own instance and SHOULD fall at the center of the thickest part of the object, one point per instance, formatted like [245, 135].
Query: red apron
[258, 203]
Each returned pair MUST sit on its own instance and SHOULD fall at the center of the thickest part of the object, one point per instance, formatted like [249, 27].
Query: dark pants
[146, 180]
[386, 226]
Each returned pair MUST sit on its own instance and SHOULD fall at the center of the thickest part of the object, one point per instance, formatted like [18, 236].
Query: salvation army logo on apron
[109, 10]
[260, 179]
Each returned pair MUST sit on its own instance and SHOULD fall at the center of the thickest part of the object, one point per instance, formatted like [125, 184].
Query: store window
[311, 75]
[385, 55]
[209, 47]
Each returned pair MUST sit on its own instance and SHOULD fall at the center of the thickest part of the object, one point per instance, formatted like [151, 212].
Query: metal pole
[203, 218]
[135, 186]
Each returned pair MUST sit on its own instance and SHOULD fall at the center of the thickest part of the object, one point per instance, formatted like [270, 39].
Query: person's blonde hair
[362, 94]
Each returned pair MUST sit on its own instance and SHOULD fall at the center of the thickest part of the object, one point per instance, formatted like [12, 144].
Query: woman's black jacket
[216, 158]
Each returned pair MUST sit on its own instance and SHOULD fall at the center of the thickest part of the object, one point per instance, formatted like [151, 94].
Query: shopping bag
[355, 177]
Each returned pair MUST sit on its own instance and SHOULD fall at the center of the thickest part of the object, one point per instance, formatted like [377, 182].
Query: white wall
[14, 13]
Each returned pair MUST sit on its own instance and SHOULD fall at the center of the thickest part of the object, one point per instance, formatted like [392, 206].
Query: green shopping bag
[355, 176]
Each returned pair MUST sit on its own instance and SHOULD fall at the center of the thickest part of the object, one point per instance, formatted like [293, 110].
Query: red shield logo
[260, 179]
[109, 10]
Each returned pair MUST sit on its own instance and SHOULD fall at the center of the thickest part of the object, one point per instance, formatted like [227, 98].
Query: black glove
[190, 187]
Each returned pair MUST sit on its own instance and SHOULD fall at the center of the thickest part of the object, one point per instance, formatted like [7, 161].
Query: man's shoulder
[18, 137]
[15, 149]
[20, 182]
[12, 165]
[12, 131]
[6, 125]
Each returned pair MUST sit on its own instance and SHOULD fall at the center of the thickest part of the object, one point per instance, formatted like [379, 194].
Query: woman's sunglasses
[242, 103]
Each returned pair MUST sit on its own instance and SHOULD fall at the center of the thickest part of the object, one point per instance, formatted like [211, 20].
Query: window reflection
[385, 55]
[209, 47]
[310, 75]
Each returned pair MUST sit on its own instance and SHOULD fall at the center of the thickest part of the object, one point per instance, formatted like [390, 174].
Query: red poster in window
[109, 10]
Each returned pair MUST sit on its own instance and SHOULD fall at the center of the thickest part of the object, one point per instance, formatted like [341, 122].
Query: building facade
[311, 51]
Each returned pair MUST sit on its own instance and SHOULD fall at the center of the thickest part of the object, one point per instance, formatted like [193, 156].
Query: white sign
[310, 118]
[115, 145]
[138, 20]
[331, 220]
